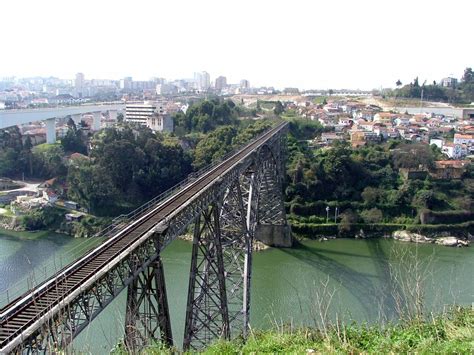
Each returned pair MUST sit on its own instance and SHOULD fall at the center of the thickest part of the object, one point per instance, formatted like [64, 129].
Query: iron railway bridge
[227, 206]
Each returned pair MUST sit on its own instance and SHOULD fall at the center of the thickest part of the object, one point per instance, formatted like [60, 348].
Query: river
[288, 285]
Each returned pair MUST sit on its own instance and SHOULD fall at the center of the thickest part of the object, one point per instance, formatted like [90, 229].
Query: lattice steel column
[147, 316]
[207, 316]
[272, 228]
[235, 215]
[271, 209]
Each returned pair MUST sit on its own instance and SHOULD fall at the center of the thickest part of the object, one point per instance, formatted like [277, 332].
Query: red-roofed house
[449, 169]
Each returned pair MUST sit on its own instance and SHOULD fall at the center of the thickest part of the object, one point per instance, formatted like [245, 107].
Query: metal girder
[225, 216]
[207, 316]
[237, 253]
[271, 209]
[147, 312]
[75, 315]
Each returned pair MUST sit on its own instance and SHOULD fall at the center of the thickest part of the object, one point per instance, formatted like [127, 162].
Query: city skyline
[310, 46]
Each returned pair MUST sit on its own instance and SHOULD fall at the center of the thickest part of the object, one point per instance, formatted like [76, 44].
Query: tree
[398, 83]
[424, 199]
[374, 215]
[71, 124]
[371, 195]
[122, 159]
[468, 75]
[279, 108]
[214, 146]
[92, 187]
[331, 91]
[73, 141]
[413, 156]
[348, 219]
[48, 161]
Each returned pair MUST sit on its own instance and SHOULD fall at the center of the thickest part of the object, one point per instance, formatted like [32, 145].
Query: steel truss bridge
[226, 206]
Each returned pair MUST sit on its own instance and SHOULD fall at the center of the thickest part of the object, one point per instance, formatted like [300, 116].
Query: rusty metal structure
[226, 205]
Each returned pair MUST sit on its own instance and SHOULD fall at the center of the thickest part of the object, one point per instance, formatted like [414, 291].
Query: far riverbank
[460, 234]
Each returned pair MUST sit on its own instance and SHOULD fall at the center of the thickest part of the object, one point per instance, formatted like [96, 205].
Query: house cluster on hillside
[361, 123]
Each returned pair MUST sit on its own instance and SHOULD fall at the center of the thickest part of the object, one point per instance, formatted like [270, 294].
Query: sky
[356, 44]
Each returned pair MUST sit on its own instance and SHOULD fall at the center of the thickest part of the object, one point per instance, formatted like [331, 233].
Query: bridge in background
[227, 205]
[11, 118]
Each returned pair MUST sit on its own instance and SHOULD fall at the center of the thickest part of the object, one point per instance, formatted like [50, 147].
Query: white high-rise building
[244, 84]
[79, 84]
[202, 80]
[221, 83]
[205, 81]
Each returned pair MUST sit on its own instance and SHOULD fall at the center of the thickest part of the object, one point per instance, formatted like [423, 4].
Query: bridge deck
[23, 314]
[9, 118]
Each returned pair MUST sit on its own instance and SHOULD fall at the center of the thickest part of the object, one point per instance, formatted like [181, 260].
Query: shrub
[374, 215]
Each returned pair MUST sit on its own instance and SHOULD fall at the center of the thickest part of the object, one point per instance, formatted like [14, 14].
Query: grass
[42, 148]
[451, 333]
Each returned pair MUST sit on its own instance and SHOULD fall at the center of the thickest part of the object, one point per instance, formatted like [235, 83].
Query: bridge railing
[60, 260]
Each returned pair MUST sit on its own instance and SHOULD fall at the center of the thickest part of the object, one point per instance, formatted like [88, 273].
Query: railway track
[23, 312]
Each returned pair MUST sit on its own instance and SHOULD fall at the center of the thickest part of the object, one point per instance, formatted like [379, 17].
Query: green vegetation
[450, 333]
[127, 165]
[74, 141]
[41, 219]
[365, 185]
[206, 116]
[462, 93]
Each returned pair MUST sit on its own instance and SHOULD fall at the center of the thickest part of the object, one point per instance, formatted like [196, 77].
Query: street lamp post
[327, 214]
[335, 215]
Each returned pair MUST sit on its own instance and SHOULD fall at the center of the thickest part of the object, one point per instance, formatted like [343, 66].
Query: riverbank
[24, 234]
[460, 234]
[452, 332]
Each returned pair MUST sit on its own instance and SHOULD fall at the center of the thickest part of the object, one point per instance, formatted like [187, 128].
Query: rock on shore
[449, 241]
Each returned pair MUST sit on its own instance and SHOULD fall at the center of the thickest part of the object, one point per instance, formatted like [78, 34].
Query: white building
[464, 139]
[244, 84]
[139, 113]
[221, 83]
[454, 151]
[449, 82]
[439, 142]
[79, 84]
[166, 89]
[126, 83]
[160, 123]
[202, 80]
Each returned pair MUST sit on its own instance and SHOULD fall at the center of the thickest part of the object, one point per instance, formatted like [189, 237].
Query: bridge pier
[97, 118]
[113, 115]
[50, 130]
[207, 315]
[147, 313]
[274, 235]
[272, 228]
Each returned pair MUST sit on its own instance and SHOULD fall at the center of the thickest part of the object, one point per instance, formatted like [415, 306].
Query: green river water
[359, 277]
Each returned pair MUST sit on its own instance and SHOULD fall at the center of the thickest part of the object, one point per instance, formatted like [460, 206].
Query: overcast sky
[307, 44]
